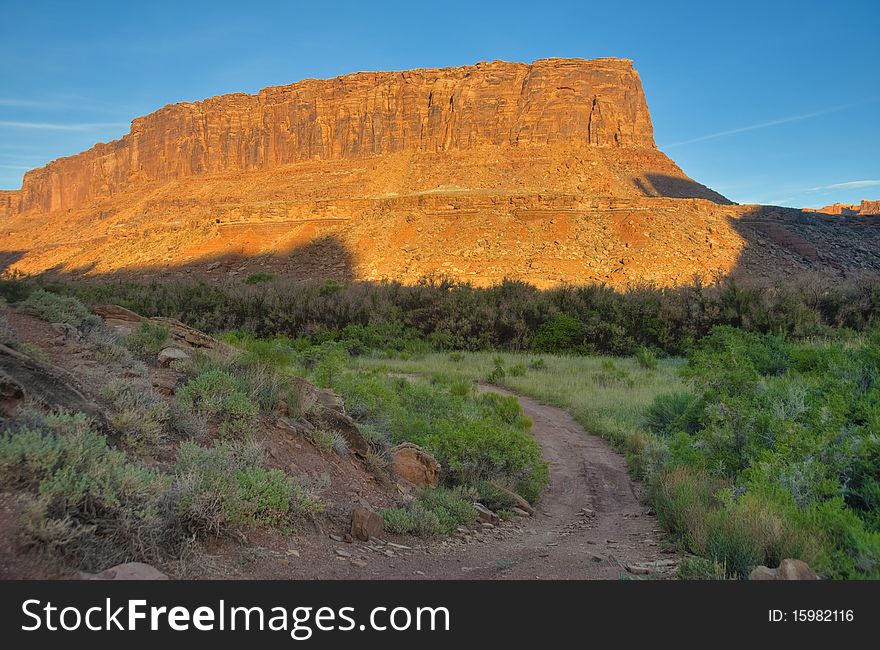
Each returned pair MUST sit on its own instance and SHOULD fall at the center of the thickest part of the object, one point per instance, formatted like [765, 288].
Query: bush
[668, 413]
[54, 308]
[434, 512]
[147, 340]
[90, 506]
[473, 437]
[216, 393]
[561, 333]
[257, 278]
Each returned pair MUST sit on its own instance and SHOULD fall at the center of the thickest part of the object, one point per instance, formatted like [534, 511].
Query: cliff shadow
[323, 258]
[677, 187]
[794, 247]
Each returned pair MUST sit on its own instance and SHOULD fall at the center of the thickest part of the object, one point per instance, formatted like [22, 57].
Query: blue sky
[770, 102]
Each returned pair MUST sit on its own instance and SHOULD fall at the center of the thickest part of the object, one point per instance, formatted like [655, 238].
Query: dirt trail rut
[589, 524]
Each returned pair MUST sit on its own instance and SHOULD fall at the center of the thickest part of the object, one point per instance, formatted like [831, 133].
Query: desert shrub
[147, 340]
[450, 508]
[321, 438]
[56, 308]
[89, 505]
[231, 476]
[137, 414]
[436, 511]
[789, 431]
[305, 502]
[257, 278]
[538, 364]
[216, 393]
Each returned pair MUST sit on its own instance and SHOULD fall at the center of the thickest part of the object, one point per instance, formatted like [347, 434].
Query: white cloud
[846, 186]
[60, 126]
[776, 122]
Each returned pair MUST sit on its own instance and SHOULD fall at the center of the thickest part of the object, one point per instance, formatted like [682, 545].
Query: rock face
[599, 103]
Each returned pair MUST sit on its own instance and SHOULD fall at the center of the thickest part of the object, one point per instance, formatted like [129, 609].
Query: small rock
[636, 569]
[520, 512]
[485, 515]
[293, 552]
[360, 563]
[168, 355]
[341, 552]
[127, 571]
[347, 538]
[336, 538]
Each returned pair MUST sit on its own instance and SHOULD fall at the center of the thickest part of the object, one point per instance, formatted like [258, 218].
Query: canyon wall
[570, 101]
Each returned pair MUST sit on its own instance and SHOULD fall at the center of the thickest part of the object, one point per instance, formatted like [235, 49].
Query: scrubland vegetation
[513, 316]
[753, 416]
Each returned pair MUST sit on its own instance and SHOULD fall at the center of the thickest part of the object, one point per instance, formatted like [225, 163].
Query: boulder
[169, 355]
[762, 573]
[366, 524]
[789, 569]
[127, 571]
[415, 465]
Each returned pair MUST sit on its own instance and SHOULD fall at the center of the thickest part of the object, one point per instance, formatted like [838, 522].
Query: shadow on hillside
[676, 187]
[326, 257]
[781, 246]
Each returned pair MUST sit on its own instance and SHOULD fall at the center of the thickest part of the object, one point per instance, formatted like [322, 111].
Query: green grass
[609, 401]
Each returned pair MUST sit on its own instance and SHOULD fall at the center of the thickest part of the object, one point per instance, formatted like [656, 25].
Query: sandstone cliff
[599, 103]
[546, 173]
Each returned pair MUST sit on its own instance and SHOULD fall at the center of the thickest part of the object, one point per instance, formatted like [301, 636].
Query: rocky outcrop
[869, 207]
[596, 103]
[789, 569]
[864, 208]
[23, 378]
